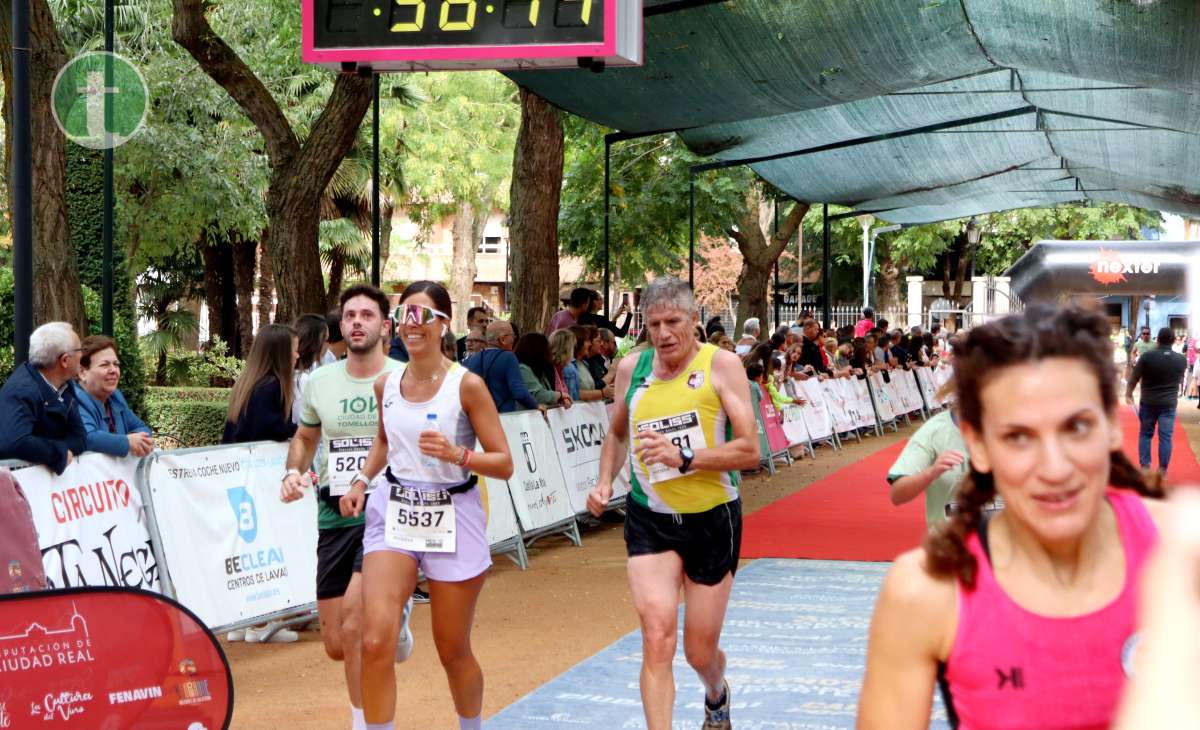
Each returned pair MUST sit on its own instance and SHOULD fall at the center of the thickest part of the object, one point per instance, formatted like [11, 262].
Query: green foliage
[7, 332]
[648, 219]
[85, 209]
[213, 367]
[193, 416]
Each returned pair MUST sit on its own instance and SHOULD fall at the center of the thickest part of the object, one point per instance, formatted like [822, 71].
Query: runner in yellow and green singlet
[688, 407]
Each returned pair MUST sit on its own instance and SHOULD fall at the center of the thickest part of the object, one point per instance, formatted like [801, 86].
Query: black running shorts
[339, 557]
[710, 543]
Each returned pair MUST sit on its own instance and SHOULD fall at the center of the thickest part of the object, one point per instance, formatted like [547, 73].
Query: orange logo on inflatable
[1108, 268]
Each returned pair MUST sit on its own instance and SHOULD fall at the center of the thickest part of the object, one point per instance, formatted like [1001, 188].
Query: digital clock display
[446, 23]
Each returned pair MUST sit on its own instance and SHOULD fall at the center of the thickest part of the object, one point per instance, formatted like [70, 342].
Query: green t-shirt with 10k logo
[345, 410]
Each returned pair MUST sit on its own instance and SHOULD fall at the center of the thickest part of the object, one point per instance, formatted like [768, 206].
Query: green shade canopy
[1016, 103]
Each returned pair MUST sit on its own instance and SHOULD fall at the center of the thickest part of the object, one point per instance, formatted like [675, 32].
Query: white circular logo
[99, 100]
[1129, 654]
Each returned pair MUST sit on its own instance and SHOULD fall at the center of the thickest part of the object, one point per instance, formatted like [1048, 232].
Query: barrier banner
[578, 434]
[621, 483]
[234, 551]
[883, 400]
[501, 519]
[103, 658]
[791, 420]
[90, 525]
[537, 488]
[912, 391]
[817, 417]
[928, 390]
[941, 376]
[841, 403]
[899, 394]
[866, 409]
[777, 440]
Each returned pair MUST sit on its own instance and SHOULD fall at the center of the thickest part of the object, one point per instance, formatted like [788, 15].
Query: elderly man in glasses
[39, 416]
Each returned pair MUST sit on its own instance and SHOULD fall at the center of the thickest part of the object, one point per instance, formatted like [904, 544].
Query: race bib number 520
[346, 459]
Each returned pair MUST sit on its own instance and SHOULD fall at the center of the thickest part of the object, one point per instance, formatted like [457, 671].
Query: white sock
[357, 720]
[470, 723]
[381, 726]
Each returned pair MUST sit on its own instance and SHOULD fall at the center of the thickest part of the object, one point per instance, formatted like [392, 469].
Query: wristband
[290, 472]
[466, 458]
[360, 477]
[462, 456]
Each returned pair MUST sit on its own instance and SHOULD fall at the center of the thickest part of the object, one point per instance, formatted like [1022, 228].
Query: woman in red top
[1026, 616]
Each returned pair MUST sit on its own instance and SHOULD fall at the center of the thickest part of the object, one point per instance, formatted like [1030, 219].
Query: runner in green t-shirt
[339, 413]
[933, 462]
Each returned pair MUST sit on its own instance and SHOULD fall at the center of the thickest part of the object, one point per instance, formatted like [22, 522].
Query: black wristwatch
[687, 455]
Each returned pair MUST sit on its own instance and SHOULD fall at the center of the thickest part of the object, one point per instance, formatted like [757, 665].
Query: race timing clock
[419, 35]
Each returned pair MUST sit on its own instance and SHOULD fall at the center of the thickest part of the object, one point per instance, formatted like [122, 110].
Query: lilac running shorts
[472, 553]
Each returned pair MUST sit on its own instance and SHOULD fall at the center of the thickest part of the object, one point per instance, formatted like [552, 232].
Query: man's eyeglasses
[418, 314]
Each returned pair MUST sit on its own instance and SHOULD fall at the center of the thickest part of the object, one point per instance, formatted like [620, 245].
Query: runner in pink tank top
[1028, 618]
[1011, 668]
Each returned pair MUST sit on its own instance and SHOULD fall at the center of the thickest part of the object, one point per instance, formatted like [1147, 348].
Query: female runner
[426, 513]
[1026, 619]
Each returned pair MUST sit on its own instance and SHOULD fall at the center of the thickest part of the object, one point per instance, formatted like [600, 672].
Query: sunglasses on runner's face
[419, 314]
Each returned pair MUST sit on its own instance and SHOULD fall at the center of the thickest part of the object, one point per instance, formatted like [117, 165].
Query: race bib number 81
[683, 430]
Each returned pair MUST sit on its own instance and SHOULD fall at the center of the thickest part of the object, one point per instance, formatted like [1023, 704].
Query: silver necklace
[433, 379]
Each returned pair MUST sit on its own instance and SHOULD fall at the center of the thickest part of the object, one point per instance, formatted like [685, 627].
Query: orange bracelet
[467, 459]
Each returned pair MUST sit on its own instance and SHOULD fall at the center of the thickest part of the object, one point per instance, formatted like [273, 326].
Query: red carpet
[847, 515]
[1183, 469]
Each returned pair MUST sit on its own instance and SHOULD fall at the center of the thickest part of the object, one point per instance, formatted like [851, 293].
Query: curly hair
[1038, 333]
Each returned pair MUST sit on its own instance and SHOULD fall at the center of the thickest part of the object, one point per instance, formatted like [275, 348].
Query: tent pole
[22, 177]
[775, 232]
[106, 286]
[827, 308]
[375, 205]
[692, 230]
[607, 202]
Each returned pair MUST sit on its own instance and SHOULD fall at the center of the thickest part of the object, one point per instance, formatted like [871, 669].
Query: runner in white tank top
[426, 513]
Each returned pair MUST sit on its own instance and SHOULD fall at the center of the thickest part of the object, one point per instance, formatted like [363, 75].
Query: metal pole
[22, 175]
[375, 183]
[607, 202]
[826, 284]
[692, 230]
[106, 286]
[775, 231]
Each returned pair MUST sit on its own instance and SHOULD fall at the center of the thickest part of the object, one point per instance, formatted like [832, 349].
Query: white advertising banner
[817, 417]
[866, 410]
[791, 419]
[928, 389]
[883, 397]
[234, 551]
[578, 434]
[501, 520]
[621, 484]
[841, 403]
[538, 492]
[90, 524]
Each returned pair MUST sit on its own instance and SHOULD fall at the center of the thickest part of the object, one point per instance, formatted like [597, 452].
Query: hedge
[193, 416]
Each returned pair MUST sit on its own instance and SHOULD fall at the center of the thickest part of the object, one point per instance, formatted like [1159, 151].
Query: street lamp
[974, 232]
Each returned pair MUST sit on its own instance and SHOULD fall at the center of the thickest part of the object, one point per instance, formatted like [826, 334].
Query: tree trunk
[888, 287]
[266, 282]
[467, 228]
[299, 173]
[244, 250]
[220, 293]
[387, 209]
[57, 295]
[533, 214]
[337, 275]
[760, 251]
[964, 259]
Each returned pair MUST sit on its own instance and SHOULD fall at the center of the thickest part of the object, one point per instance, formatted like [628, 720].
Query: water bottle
[431, 424]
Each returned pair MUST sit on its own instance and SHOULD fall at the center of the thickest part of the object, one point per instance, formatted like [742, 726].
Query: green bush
[193, 416]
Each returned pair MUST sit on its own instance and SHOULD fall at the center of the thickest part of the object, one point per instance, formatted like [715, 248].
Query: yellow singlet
[687, 410]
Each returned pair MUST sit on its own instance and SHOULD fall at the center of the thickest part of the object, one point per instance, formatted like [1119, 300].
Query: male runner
[689, 407]
[339, 412]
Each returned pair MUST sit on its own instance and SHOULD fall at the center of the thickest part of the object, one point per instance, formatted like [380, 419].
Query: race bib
[683, 430]
[420, 521]
[346, 459]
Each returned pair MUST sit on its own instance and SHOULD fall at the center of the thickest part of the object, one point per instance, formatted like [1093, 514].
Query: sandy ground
[530, 626]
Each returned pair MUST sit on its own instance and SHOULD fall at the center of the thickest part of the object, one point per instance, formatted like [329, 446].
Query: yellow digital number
[586, 12]
[418, 23]
[533, 12]
[444, 22]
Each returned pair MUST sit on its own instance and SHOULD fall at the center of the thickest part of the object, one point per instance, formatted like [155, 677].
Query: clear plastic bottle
[431, 424]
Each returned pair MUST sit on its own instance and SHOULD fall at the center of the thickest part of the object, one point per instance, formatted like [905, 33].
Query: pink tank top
[1010, 668]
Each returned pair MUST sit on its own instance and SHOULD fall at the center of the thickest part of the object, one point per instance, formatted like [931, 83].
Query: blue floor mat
[796, 641]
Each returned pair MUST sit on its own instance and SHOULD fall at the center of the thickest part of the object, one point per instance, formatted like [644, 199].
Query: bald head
[499, 334]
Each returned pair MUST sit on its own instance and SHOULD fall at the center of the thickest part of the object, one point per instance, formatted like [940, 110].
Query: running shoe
[718, 718]
[420, 596]
[236, 635]
[404, 643]
[272, 633]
